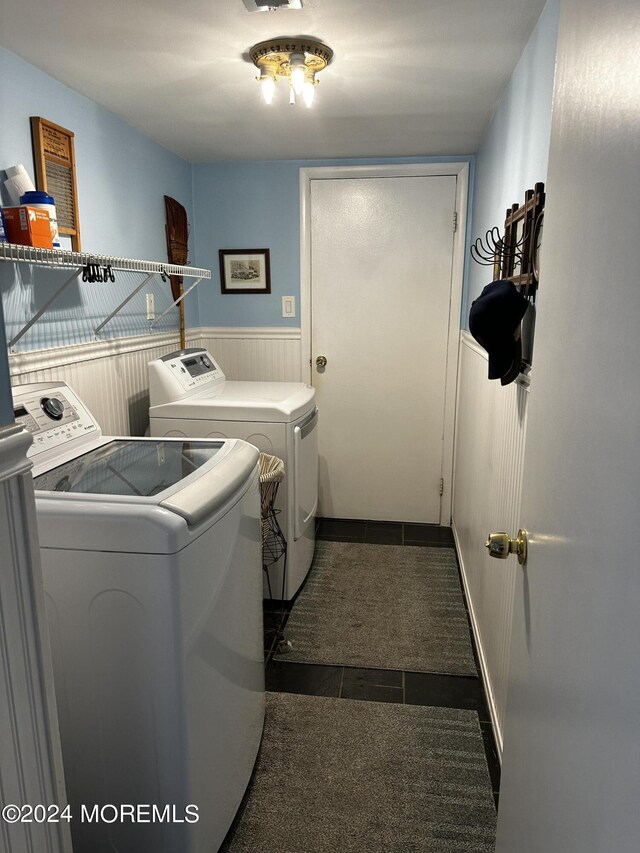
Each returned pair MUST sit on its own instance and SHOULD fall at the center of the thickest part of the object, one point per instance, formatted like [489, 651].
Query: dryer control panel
[179, 374]
[52, 414]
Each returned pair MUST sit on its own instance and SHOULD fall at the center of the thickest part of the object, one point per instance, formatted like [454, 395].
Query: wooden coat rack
[514, 256]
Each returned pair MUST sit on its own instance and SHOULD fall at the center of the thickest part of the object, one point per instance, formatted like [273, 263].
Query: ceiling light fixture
[271, 5]
[297, 60]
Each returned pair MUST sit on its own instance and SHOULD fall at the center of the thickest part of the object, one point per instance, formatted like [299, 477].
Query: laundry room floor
[387, 685]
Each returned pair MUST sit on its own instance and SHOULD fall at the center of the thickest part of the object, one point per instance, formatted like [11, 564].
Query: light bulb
[268, 86]
[308, 91]
[297, 72]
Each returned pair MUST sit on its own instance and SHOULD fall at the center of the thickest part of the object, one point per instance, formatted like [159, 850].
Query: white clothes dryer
[190, 396]
[153, 587]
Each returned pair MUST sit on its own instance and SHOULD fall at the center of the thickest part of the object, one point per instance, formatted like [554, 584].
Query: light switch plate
[288, 306]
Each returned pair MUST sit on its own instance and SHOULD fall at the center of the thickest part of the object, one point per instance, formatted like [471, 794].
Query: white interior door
[571, 771]
[381, 264]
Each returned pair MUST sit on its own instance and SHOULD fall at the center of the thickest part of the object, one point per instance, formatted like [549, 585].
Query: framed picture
[245, 271]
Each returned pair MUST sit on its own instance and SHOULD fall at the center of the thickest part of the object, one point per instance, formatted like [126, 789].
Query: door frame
[459, 170]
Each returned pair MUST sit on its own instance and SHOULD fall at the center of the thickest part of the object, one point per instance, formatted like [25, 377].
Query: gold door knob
[500, 545]
[321, 361]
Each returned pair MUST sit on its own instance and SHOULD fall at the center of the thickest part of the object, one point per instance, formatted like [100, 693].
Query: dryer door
[305, 448]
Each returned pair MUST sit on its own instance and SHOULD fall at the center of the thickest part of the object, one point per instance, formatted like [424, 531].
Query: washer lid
[273, 402]
[141, 495]
[129, 467]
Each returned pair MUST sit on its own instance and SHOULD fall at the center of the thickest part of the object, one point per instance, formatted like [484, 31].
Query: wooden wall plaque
[55, 165]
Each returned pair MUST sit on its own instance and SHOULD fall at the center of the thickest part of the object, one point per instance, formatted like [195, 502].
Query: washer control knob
[52, 407]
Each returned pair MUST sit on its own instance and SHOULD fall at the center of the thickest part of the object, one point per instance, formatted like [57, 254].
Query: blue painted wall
[251, 206]
[6, 408]
[123, 175]
[122, 178]
[515, 151]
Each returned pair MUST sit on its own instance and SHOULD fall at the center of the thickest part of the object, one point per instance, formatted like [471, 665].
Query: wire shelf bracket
[177, 301]
[78, 261]
[124, 302]
[14, 340]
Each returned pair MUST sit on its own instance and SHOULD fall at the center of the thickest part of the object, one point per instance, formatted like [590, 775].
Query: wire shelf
[61, 259]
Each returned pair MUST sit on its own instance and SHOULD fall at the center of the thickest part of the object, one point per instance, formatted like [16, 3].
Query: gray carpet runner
[382, 607]
[366, 777]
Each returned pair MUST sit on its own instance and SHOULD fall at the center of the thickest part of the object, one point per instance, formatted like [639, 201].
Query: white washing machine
[190, 396]
[151, 559]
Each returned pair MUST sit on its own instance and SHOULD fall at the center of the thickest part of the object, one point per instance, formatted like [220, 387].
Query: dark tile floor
[384, 532]
[380, 685]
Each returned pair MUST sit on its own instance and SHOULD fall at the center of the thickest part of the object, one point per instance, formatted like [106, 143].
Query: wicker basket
[274, 544]
[271, 475]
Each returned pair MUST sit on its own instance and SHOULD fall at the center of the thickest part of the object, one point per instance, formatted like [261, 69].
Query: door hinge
[441, 486]
[455, 221]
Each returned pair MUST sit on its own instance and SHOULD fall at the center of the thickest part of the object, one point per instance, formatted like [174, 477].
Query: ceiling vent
[271, 5]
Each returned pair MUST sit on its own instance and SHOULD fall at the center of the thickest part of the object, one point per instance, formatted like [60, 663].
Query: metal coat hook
[484, 251]
[514, 253]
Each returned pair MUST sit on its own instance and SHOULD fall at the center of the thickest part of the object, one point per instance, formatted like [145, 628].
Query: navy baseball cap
[493, 320]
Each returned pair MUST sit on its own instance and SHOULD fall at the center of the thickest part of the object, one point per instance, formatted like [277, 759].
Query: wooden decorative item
[177, 231]
[55, 166]
[515, 256]
[522, 227]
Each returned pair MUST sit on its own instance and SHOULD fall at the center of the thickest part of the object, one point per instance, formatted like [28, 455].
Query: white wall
[491, 420]
[257, 354]
[571, 772]
[30, 754]
[490, 438]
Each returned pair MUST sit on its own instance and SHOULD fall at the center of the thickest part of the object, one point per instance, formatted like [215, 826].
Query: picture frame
[245, 271]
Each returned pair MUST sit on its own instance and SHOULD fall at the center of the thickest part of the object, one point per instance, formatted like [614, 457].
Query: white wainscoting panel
[264, 355]
[111, 377]
[30, 754]
[489, 455]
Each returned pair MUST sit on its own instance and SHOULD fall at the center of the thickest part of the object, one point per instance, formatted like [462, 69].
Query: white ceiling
[409, 77]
